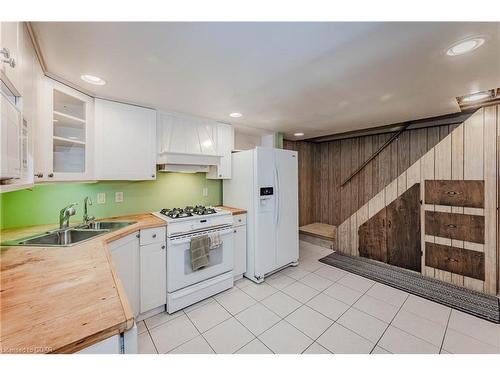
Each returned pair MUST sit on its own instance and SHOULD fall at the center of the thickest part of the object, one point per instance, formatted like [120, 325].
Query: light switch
[119, 197]
[205, 192]
[101, 198]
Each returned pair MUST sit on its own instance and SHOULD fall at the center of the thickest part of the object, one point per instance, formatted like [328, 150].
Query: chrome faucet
[86, 218]
[65, 214]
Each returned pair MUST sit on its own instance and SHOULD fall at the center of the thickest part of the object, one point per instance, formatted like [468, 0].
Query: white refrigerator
[265, 183]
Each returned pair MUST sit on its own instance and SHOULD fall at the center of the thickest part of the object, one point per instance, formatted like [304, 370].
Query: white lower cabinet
[125, 255]
[153, 276]
[240, 246]
[141, 262]
[124, 343]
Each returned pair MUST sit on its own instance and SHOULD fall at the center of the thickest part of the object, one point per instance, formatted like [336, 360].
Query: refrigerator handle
[278, 199]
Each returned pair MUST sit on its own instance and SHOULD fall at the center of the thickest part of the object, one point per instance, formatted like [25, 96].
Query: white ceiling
[319, 78]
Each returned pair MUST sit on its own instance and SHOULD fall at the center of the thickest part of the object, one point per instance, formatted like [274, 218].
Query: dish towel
[215, 240]
[200, 257]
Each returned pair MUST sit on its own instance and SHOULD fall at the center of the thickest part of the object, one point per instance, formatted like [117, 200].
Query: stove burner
[202, 210]
[176, 213]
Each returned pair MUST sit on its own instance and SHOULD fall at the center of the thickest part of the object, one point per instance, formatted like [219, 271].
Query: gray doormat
[478, 304]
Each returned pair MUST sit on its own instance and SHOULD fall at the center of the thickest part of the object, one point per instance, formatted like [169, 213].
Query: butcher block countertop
[62, 299]
[234, 211]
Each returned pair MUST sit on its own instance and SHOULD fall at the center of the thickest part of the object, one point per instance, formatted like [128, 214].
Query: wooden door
[403, 230]
[373, 237]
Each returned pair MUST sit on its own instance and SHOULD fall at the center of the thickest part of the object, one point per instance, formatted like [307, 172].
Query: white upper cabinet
[125, 141]
[19, 119]
[11, 45]
[65, 134]
[225, 145]
[10, 139]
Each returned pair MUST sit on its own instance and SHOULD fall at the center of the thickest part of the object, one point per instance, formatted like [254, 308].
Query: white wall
[245, 141]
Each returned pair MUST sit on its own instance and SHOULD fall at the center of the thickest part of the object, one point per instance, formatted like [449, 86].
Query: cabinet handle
[138, 235]
[239, 220]
[11, 62]
[163, 247]
[39, 175]
[234, 231]
[152, 176]
[50, 175]
[452, 260]
[452, 226]
[154, 235]
[5, 52]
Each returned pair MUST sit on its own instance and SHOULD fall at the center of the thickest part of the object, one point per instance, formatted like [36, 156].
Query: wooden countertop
[62, 299]
[234, 211]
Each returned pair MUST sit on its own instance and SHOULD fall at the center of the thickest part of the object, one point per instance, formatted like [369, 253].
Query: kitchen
[198, 220]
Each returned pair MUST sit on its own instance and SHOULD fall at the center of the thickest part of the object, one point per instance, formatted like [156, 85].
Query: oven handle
[186, 240]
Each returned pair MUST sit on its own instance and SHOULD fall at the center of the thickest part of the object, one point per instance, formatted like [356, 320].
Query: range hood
[186, 144]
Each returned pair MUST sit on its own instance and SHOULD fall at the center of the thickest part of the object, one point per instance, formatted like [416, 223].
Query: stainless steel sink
[109, 225]
[70, 236]
[66, 237]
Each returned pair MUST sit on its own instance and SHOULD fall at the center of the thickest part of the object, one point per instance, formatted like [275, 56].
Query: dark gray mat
[478, 304]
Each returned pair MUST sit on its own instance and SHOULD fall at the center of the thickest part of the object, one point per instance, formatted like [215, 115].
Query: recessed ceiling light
[94, 80]
[235, 114]
[298, 134]
[464, 46]
[476, 97]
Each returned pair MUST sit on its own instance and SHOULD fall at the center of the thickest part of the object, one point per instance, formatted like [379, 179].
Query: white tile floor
[317, 309]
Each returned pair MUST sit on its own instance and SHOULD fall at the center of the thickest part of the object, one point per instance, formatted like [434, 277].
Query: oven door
[179, 271]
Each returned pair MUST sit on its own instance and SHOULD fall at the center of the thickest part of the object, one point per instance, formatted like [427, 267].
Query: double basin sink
[70, 236]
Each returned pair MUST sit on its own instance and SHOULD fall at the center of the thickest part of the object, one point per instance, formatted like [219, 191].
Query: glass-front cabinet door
[67, 134]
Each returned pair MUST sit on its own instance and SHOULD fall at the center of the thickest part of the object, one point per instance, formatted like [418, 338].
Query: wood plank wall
[323, 167]
[468, 153]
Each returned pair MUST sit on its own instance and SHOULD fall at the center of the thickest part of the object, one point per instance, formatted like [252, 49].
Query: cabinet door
[373, 237]
[403, 230]
[225, 145]
[125, 141]
[153, 276]
[240, 250]
[10, 136]
[11, 38]
[125, 255]
[66, 133]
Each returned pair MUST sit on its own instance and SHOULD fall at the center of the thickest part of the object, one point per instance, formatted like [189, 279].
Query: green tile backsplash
[41, 205]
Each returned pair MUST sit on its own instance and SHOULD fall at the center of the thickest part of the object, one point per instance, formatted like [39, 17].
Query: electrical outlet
[101, 198]
[119, 197]
[205, 192]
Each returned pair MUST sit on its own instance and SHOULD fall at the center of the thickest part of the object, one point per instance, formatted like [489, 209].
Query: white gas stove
[185, 286]
[189, 220]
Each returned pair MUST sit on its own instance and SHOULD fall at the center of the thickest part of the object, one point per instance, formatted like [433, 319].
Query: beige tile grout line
[336, 320]
[445, 331]
[389, 325]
